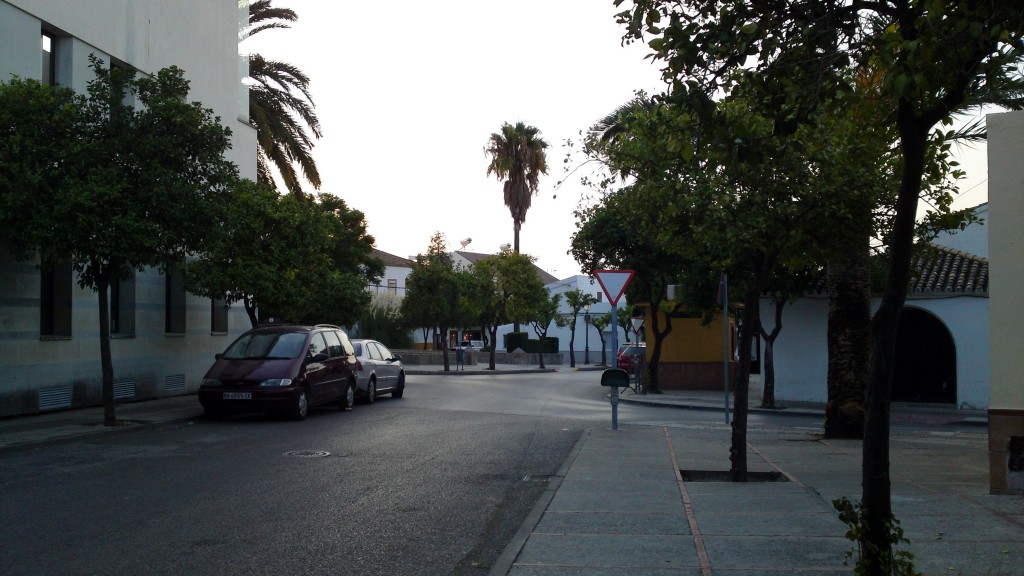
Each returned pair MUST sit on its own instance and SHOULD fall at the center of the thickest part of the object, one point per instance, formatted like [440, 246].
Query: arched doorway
[925, 369]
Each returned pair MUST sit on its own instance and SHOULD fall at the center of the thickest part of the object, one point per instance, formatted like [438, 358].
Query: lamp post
[586, 345]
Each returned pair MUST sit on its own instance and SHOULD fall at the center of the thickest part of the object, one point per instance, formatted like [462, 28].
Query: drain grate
[726, 476]
[308, 453]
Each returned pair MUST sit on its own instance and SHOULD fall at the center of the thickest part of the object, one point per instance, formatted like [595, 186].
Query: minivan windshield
[274, 345]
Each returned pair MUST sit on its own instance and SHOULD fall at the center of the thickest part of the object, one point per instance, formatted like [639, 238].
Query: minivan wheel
[349, 398]
[300, 406]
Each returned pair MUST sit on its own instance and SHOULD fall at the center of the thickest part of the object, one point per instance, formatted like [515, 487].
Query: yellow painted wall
[690, 341]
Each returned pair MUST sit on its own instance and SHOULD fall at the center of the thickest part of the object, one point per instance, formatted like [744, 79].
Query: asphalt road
[435, 483]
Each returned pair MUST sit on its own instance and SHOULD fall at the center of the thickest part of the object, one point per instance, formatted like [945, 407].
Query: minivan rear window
[277, 345]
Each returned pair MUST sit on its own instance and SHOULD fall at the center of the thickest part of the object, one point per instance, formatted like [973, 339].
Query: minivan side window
[333, 344]
[317, 345]
[346, 344]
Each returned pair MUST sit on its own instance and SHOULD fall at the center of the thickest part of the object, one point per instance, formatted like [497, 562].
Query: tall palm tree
[281, 108]
[518, 158]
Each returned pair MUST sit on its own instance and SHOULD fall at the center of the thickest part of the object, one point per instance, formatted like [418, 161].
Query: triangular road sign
[614, 283]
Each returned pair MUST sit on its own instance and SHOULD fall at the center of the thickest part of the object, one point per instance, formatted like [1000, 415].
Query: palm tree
[281, 108]
[517, 156]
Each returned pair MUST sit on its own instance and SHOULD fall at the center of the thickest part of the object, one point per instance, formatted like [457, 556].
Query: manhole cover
[308, 453]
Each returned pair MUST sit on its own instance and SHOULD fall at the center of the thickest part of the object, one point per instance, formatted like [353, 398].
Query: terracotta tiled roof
[391, 259]
[937, 269]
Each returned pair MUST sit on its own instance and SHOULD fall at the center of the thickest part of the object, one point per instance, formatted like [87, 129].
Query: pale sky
[408, 93]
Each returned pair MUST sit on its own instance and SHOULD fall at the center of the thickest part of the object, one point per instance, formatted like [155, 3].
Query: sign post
[613, 283]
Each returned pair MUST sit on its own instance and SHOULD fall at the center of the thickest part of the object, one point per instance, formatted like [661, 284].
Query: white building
[164, 339]
[942, 349]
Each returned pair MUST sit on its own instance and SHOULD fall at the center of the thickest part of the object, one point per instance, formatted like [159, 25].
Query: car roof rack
[327, 326]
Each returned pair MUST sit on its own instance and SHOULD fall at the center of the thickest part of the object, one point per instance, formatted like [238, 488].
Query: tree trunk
[540, 351]
[875, 541]
[768, 385]
[516, 225]
[106, 363]
[444, 349]
[494, 346]
[659, 340]
[250, 311]
[741, 386]
[849, 342]
[572, 340]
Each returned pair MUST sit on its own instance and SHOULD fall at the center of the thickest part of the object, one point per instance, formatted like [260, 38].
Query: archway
[925, 369]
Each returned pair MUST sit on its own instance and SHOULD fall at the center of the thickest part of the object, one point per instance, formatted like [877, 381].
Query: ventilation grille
[54, 398]
[174, 382]
[124, 389]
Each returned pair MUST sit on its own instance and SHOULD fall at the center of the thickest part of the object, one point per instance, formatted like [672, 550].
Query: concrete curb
[503, 565]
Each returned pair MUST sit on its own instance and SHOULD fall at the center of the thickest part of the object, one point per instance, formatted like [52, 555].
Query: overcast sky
[408, 93]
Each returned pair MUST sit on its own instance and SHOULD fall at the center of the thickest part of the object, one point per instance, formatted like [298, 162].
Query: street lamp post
[586, 345]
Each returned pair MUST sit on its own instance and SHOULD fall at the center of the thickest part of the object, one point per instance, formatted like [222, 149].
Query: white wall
[801, 350]
[973, 239]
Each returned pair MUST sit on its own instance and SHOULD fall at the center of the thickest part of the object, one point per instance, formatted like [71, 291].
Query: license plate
[238, 395]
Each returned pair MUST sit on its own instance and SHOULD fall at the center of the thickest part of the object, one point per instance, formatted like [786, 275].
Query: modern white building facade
[164, 339]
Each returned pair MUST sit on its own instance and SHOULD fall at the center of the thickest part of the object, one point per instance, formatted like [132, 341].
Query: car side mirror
[320, 357]
[397, 358]
[218, 355]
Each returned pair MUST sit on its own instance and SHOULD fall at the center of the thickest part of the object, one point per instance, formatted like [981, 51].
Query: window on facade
[122, 306]
[49, 53]
[393, 285]
[600, 295]
[55, 300]
[174, 308]
[218, 315]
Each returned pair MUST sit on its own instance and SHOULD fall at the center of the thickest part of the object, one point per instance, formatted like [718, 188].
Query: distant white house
[942, 350]
[396, 272]
[587, 344]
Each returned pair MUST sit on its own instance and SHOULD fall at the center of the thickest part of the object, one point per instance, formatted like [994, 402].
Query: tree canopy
[108, 186]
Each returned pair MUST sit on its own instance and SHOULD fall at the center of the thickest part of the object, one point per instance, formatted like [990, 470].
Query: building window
[55, 300]
[218, 315]
[392, 285]
[600, 295]
[174, 308]
[122, 306]
[49, 75]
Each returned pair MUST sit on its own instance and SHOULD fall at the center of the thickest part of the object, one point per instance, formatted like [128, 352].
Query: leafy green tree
[576, 299]
[435, 291]
[110, 186]
[505, 288]
[281, 108]
[934, 58]
[600, 323]
[305, 260]
[383, 321]
[546, 313]
[517, 157]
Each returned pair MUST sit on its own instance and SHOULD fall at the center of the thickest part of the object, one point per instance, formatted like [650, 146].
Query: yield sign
[614, 283]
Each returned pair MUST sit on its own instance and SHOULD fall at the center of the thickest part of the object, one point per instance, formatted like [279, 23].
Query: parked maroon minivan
[284, 369]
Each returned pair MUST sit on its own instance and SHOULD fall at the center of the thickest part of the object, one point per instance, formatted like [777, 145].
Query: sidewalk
[653, 500]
